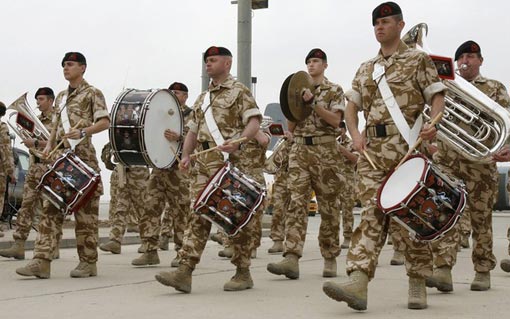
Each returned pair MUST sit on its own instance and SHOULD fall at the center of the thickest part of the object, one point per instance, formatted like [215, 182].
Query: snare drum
[69, 183]
[422, 199]
[139, 120]
[230, 199]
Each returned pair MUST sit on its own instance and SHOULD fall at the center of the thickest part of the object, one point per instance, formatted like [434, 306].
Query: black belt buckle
[205, 146]
[37, 160]
[380, 130]
[308, 140]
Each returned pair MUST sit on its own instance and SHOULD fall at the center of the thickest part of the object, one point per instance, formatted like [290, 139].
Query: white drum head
[163, 112]
[400, 184]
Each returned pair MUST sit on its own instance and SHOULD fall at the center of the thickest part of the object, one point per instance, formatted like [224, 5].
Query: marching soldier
[505, 263]
[165, 185]
[313, 165]
[79, 103]
[7, 169]
[400, 80]
[229, 106]
[481, 179]
[31, 196]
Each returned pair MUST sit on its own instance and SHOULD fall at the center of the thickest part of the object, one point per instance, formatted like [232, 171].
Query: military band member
[235, 112]
[347, 171]
[31, 197]
[165, 185]
[81, 102]
[175, 217]
[412, 81]
[314, 165]
[7, 167]
[505, 263]
[481, 179]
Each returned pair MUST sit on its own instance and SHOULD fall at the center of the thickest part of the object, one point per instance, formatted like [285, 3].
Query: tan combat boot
[276, 248]
[143, 248]
[16, 251]
[397, 259]
[39, 268]
[464, 241]
[354, 292]
[227, 252]
[417, 293]
[346, 243]
[84, 270]
[241, 280]
[329, 268]
[505, 265]
[441, 279]
[217, 238]
[164, 242]
[289, 267]
[180, 279]
[147, 258]
[482, 281]
[176, 261]
[112, 246]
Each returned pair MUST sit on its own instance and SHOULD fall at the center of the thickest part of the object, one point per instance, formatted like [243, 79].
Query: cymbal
[291, 100]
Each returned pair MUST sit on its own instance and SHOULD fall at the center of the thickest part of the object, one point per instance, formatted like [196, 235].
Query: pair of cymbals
[291, 96]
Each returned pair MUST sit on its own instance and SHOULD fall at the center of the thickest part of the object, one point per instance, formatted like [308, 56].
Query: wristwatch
[82, 133]
[241, 146]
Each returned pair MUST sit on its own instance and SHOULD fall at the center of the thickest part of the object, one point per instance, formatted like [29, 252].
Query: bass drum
[139, 120]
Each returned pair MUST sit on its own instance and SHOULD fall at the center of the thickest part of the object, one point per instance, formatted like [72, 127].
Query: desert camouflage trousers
[313, 167]
[346, 202]
[167, 224]
[481, 181]
[174, 221]
[130, 200]
[369, 237]
[165, 185]
[32, 201]
[280, 199]
[198, 230]
[114, 185]
[85, 229]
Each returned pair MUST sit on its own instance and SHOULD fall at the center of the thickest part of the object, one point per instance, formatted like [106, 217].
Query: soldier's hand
[428, 132]
[359, 143]
[184, 163]
[307, 96]
[73, 134]
[171, 135]
[228, 147]
[289, 136]
[12, 178]
[29, 142]
[503, 155]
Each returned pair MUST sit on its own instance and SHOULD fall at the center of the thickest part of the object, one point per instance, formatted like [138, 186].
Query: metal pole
[205, 77]
[244, 42]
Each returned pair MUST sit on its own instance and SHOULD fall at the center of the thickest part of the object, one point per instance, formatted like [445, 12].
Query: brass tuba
[473, 123]
[22, 119]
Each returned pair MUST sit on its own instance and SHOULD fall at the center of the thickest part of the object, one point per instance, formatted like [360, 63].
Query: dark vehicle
[14, 193]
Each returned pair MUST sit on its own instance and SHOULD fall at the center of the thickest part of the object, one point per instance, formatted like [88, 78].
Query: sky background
[150, 44]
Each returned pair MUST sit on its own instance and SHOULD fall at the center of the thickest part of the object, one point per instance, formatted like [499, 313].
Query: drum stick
[239, 140]
[176, 155]
[369, 159]
[62, 141]
[434, 121]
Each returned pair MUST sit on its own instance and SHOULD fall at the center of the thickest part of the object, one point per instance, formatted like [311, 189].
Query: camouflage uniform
[7, 165]
[166, 186]
[85, 103]
[481, 181]
[31, 196]
[412, 77]
[167, 222]
[130, 198]
[280, 197]
[347, 195]
[232, 106]
[314, 164]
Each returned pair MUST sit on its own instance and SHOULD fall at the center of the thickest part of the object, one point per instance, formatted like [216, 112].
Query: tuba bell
[22, 119]
[474, 124]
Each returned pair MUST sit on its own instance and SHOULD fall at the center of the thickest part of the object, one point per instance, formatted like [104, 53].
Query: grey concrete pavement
[123, 291]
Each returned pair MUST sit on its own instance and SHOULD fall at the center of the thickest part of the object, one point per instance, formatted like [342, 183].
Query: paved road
[122, 291]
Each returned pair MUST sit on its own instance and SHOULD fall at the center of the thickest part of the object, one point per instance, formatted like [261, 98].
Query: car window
[24, 161]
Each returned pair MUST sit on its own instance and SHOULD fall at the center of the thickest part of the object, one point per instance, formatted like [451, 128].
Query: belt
[382, 130]
[37, 160]
[314, 140]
